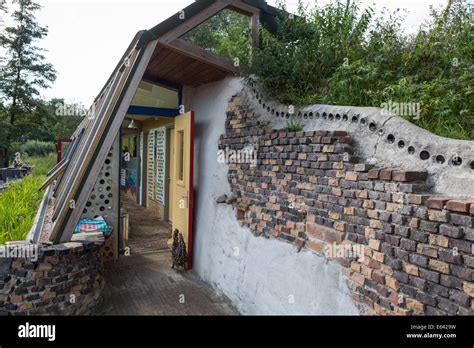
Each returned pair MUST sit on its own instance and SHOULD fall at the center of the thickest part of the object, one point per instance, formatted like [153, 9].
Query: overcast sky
[87, 37]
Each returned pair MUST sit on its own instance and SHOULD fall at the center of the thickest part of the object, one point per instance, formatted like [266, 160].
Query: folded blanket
[93, 225]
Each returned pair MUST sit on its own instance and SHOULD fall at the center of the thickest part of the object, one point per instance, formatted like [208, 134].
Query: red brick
[324, 233]
[468, 288]
[362, 167]
[460, 205]
[358, 278]
[331, 236]
[339, 133]
[344, 140]
[392, 283]
[315, 230]
[326, 140]
[417, 199]
[415, 305]
[378, 277]
[385, 174]
[394, 298]
[369, 302]
[437, 202]
[407, 175]
[300, 242]
[374, 244]
[373, 174]
[351, 176]
[316, 246]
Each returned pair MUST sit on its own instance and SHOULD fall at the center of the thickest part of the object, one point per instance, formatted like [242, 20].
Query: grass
[294, 125]
[20, 201]
[41, 164]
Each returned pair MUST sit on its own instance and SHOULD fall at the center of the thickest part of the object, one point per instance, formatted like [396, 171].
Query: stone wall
[63, 279]
[383, 139]
[403, 249]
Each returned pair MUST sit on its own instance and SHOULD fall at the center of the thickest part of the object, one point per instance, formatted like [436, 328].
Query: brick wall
[64, 279]
[403, 250]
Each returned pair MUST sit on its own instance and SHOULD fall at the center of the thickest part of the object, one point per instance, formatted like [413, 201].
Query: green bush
[37, 148]
[342, 55]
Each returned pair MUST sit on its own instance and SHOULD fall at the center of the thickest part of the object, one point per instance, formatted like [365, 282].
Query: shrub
[37, 148]
[340, 54]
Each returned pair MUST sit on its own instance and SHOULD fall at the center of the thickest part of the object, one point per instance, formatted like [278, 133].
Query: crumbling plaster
[260, 276]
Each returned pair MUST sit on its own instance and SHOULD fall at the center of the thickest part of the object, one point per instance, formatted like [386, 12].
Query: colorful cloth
[93, 225]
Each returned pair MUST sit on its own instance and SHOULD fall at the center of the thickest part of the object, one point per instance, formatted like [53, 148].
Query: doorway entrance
[156, 182]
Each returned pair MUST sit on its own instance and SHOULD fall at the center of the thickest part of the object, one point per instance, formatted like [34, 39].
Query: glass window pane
[180, 155]
[151, 95]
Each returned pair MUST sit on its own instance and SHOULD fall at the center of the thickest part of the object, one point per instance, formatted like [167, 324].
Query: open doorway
[145, 167]
[144, 192]
[156, 171]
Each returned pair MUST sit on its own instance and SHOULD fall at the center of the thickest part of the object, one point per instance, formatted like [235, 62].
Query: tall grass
[18, 205]
[41, 164]
[20, 201]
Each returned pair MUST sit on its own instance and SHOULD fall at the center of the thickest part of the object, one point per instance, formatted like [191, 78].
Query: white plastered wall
[260, 276]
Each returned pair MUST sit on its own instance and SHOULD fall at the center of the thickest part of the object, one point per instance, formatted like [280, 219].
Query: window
[180, 170]
[155, 96]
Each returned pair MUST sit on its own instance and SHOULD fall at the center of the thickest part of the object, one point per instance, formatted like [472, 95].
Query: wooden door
[182, 182]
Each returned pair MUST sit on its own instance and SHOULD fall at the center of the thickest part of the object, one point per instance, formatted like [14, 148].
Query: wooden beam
[243, 8]
[254, 25]
[219, 5]
[198, 53]
[194, 21]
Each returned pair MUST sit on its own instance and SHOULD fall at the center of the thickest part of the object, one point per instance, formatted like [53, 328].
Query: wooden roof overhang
[181, 62]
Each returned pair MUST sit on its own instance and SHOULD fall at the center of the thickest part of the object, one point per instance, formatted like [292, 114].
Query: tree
[23, 69]
[3, 7]
[226, 34]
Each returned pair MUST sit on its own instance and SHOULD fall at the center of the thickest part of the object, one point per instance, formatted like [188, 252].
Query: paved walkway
[147, 232]
[146, 284]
